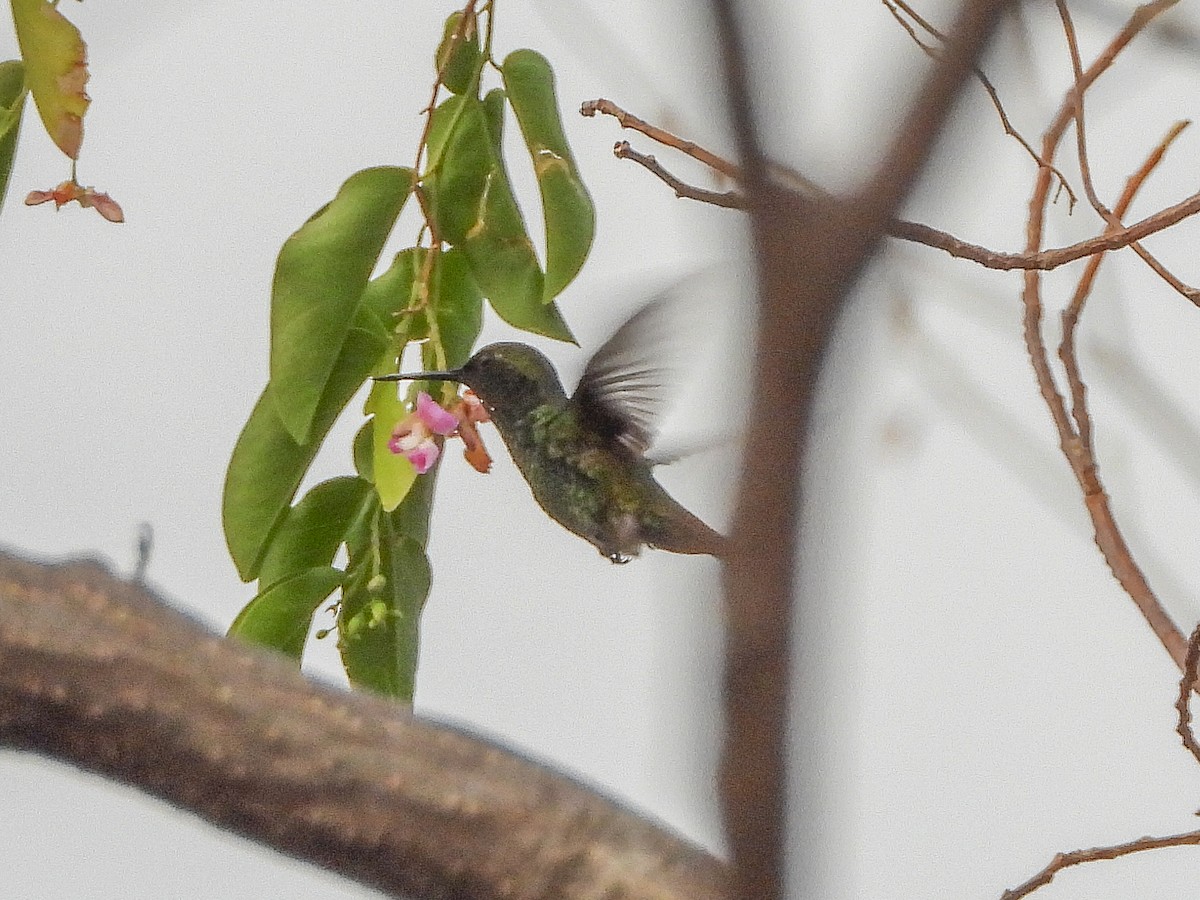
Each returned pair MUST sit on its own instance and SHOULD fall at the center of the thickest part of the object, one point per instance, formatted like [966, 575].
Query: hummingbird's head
[509, 373]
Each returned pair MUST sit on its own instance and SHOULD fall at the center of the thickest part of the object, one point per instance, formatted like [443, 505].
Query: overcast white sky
[989, 696]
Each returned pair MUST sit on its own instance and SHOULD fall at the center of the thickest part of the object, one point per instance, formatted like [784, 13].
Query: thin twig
[782, 173]
[425, 279]
[664, 137]
[1045, 260]
[1071, 315]
[1174, 35]
[145, 546]
[1186, 684]
[1108, 536]
[921, 20]
[468, 18]
[895, 7]
[726, 199]
[1113, 220]
[1095, 854]
[940, 240]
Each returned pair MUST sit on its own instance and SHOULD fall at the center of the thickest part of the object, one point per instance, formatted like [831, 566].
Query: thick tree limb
[101, 673]
[809, 256]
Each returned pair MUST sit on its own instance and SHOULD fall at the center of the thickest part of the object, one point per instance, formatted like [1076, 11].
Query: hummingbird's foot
[623, 541]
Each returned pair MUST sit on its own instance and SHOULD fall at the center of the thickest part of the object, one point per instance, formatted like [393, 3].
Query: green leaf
[384, 592]
[508, 274]
[568, 211]
[459, 308]
[459, 60]
[268, 463]
[389, 294]
[462, 162]
[321, 274]
[443, 120]
[280, 616]
[12, 103]
[314, 528]
[55, 70]
[364, 463]
[475, 210]
[494, 105]
[393, 474]
[455, 296]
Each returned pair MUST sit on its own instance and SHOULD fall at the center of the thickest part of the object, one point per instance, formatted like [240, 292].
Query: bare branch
[895, 7]
[99, 672]
[1085, 168]
[1071, 315]
[1186, 685]
[664, 137]
[1095, 854]
[1108, 535]
[809, 255]
[1045, 260]
[726, 199]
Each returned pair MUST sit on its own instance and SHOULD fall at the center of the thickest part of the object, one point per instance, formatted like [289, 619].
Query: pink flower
[432, 414]
[70, 191]
[414, 435]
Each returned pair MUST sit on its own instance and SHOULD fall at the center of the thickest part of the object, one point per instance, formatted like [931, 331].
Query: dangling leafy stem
[333, 325]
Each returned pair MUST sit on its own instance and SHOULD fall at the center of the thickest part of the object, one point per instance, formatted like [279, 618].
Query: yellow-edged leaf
[55, 70]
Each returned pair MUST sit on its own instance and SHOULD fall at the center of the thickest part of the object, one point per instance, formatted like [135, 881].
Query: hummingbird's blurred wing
[633, 378]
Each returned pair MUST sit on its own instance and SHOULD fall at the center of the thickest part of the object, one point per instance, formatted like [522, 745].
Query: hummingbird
[584, 456]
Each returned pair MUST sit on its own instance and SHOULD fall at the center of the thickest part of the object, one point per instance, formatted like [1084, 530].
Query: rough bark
[100, 672]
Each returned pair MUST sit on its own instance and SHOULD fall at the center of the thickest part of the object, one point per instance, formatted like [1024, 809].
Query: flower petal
[36, 197]
[432, 414]
[423, 456]
[103, 204]
[408, 432]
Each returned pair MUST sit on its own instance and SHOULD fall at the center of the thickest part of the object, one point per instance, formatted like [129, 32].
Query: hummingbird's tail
[685, 533]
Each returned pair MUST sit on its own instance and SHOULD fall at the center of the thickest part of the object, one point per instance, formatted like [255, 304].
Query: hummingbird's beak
[451, 375]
